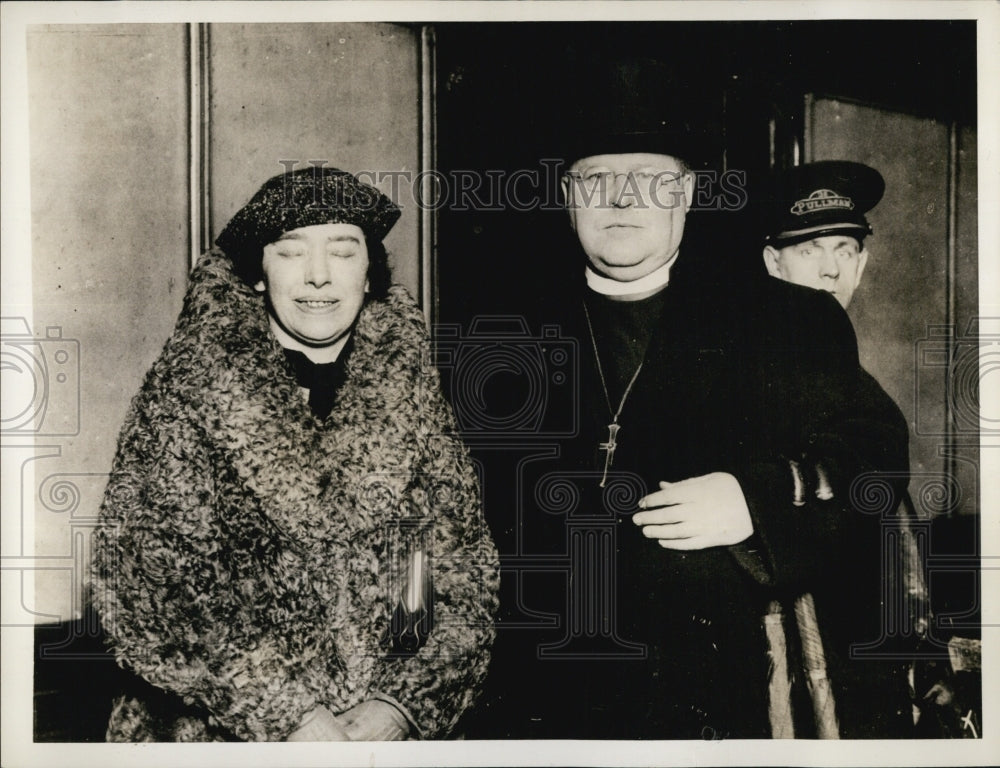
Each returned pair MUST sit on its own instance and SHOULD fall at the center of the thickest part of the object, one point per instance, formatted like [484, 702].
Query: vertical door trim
[199, 103]
[804, 153]
[427, 216]
[951, 300]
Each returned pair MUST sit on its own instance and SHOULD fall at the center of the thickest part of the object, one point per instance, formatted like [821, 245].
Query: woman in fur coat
[291, 543]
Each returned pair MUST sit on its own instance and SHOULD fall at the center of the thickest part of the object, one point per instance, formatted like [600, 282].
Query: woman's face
[315, 278]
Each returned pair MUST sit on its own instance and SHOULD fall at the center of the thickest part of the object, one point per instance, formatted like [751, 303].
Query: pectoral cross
[609, 447]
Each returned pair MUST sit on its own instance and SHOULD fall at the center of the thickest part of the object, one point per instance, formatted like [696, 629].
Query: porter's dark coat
[247, 551]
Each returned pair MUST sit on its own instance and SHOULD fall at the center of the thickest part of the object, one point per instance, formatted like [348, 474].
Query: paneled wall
[108, 116]
[340, 94]
[919, 293]
[145, 139]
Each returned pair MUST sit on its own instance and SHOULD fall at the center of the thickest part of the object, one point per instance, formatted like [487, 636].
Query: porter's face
[628, 211]
[315, 278]
[833, 263]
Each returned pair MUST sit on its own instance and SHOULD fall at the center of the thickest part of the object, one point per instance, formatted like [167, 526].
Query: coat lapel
[312, 481]
[685, 363]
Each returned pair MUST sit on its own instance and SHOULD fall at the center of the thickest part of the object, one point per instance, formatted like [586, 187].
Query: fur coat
[248, 558]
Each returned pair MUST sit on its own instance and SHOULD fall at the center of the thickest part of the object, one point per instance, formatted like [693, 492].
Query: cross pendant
[609, 447]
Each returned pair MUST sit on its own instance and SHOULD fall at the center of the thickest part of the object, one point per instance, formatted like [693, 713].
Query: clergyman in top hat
[702, 483]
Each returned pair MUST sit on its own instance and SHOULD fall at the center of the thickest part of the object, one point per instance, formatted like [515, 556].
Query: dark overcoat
[604, 633]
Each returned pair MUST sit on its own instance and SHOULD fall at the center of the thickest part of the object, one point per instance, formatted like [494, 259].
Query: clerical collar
[656, 279]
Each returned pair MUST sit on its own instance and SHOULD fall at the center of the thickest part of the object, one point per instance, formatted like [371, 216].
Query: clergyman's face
[832, 263]
[315, 278]
[628, 211]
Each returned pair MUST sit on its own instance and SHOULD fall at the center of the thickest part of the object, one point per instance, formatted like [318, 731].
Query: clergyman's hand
[697, 513]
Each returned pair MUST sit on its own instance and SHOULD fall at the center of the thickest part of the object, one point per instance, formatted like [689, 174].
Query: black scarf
[323, 380]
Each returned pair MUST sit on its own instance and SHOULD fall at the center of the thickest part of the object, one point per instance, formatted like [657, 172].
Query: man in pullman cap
[816, 237]
[702, 481]
[817, 225]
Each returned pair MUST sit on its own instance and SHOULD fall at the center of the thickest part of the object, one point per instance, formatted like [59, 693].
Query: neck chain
[613, 428]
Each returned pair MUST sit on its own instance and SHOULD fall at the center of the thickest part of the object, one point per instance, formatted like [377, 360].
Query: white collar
[658, 278]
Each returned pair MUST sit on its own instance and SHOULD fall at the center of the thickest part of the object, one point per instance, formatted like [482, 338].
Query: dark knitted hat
[303, 198]
[824, 198]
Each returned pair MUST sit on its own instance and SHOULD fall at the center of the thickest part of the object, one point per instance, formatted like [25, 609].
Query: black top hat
[640, 105]
[823, 198]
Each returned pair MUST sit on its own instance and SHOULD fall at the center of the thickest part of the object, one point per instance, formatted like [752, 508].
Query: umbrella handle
[820, 690]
